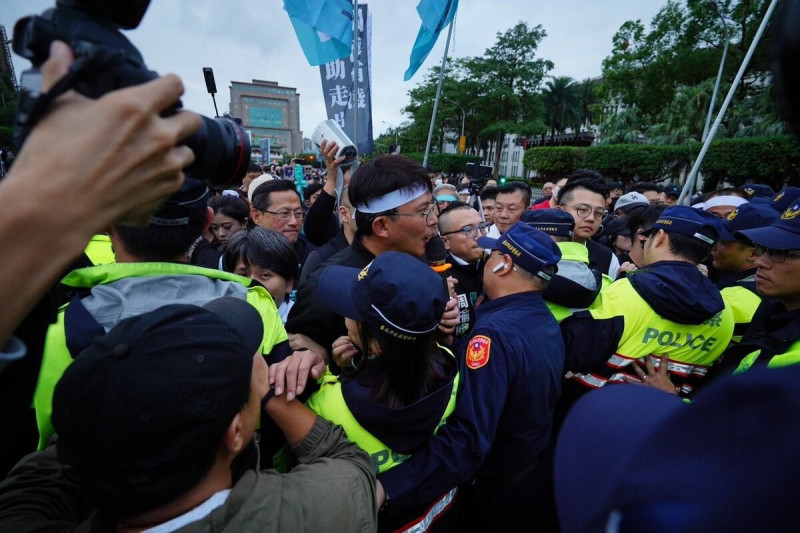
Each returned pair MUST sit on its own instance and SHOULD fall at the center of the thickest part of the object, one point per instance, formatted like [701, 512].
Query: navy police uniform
[501, 427]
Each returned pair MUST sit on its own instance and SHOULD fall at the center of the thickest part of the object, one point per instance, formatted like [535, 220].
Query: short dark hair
[311, 189]
[488, 193]
[583, 179]
[261, 195]
[380, 176]
[513, 186]
[727, 191]
[644, 186]
[253, 168]
[454, 206]
[160, 243]
[691, 248]
[230, 206]
[264, 248]
[644, 218]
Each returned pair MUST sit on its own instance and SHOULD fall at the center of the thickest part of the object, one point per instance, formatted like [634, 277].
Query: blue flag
[435, 15]
[323, 27]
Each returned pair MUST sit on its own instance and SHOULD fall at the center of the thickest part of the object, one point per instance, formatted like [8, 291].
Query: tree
[587, 93]
[562, 104]
[676, 60]
[621, 127]
[507, 77]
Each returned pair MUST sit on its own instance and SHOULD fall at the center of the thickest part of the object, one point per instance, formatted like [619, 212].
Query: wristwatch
[267, 397]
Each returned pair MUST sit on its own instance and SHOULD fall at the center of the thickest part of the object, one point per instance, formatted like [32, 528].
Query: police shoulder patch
[478, 351]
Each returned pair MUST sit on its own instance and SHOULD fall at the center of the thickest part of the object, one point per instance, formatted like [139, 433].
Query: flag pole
[438, 96]
[690, 181]
[356, 55]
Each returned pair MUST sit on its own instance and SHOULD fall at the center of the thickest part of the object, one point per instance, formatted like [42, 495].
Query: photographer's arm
[86, 165]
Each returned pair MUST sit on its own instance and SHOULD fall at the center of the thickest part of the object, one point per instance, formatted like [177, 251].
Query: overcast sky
[246, 39]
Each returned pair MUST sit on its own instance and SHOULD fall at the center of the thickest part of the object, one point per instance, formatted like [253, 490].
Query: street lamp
[463, 113]
[395, 131]
[719, 74]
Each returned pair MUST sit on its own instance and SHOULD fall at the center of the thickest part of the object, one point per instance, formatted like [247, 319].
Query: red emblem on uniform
[478, 351]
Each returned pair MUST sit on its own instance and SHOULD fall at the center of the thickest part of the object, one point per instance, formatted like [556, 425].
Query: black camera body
[105, 60]
[476, 172]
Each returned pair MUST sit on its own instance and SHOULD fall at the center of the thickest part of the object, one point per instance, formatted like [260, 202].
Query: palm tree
[623, 126]
[588, 99]
[562, 104]
[682, 122]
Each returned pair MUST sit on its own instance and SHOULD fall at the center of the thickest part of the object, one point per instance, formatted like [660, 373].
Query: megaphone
[329, 130]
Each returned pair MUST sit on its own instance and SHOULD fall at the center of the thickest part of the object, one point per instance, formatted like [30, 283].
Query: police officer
[403, 385]
[668, 309]
[576, 285]
[735, 261]
[501, 427]
[774, 335]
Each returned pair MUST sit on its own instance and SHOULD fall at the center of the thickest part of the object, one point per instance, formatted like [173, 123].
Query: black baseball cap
[187, 205]
[157, 392]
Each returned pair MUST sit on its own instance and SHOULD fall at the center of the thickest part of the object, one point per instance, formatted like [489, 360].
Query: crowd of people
[277, 357]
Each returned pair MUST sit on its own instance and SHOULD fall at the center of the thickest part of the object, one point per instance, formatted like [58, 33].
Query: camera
[476, 172]
[105, 60]
[329, 130]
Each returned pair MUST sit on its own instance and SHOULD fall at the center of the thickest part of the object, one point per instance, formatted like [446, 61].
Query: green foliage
[772, 160]
[562, 104]
[6, 136]
[451, 163]
[553, 162]
[7, 114]
[635, 162]
[667, 71]
[498, 92]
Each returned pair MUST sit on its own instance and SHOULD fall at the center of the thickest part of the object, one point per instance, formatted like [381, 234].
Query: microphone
[437, 259]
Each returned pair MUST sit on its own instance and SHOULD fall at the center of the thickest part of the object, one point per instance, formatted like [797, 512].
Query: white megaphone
[329, 130]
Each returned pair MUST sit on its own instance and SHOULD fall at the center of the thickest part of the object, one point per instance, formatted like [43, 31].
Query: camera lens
[221, 150]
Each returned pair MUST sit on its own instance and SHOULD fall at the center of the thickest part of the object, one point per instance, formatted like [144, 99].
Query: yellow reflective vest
[57, 357]
[329, 403]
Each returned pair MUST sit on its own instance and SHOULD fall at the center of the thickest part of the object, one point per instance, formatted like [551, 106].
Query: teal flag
[435, 15]
[323, 27]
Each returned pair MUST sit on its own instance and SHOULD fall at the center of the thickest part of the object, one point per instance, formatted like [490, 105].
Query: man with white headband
[722, 202]
[395, 211]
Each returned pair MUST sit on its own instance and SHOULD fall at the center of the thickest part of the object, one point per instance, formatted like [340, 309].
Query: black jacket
[309, 315]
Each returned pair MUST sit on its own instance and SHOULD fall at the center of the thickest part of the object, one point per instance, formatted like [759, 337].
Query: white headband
[393, 199]
[717, 201]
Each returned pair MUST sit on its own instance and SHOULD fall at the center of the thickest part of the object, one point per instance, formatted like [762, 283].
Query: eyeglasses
[584, 210]
[470, 231]
[776, 256]
[432, 208]
[285, 215]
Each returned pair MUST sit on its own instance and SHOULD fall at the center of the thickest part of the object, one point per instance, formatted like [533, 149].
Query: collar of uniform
[515, 299]
[729, 279]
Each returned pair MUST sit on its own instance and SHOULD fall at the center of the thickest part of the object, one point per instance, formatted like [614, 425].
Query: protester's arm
[319, 214]
[94, 163]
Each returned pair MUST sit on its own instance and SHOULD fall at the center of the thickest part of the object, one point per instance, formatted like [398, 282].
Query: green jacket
[333, 489]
